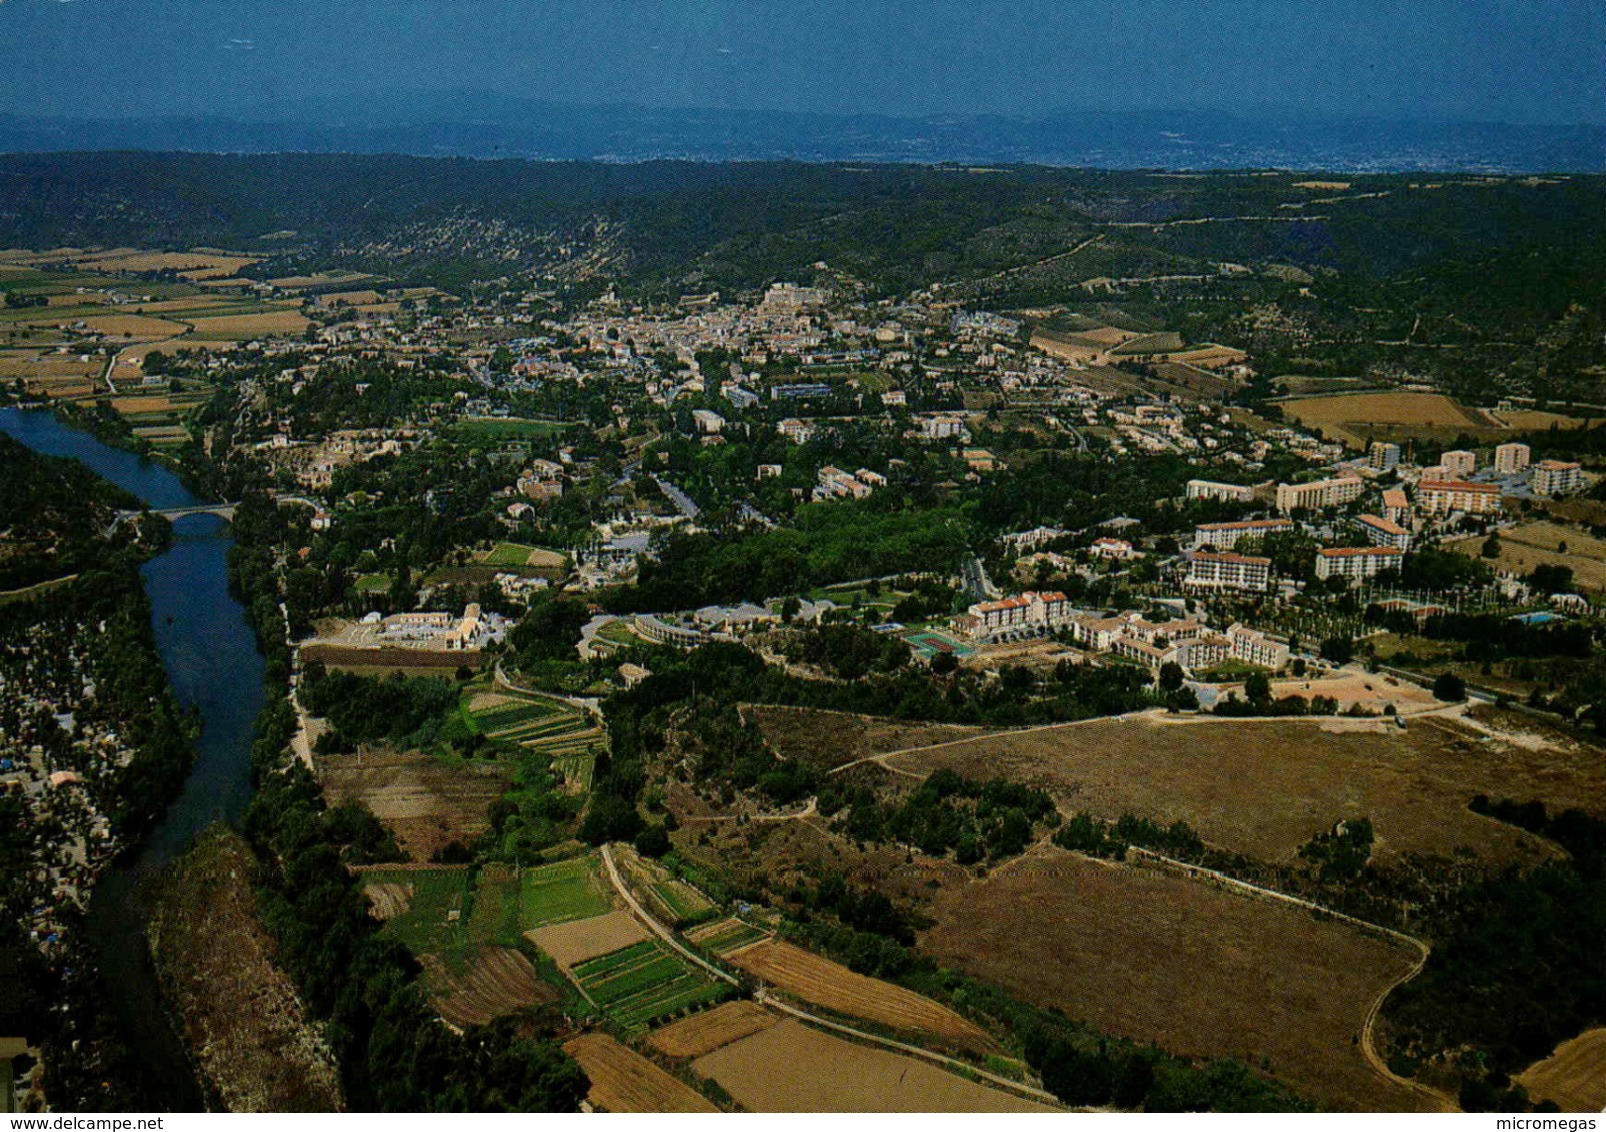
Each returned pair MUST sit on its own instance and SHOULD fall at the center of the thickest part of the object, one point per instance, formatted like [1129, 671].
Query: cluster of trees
[1342, 852]
[847, 650]
[1084, 833]
[418, 711]
[949, 813]
[1515, 967]
[1492, 636]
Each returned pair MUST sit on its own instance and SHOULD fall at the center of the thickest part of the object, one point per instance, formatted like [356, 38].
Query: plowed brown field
[1574, 1076]
[816, 979]
[705, 1032]
[579, 940]
[624, 1081]
[495, 982]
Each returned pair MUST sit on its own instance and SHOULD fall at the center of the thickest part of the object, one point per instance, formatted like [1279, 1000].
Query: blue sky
[1505, 60]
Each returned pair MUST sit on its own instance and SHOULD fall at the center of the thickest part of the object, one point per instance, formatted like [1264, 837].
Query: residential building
[1396, 506]
[1227, 571]
[1459, 464]
[1333, 492]
[1115, 548]
[1383, 456]
[1357, 561]
[798, 432]
[1509, 459]
[942, 427]
[1023, 611]
[1254, 647]
[1440, 497]
[1225, 536]
[1384, 532]
[1556, 477]
[1209, 489]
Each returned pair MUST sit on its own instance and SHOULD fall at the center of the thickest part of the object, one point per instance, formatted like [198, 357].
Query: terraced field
[671, 899]
[543, 726]
[560, 892]
[642, 983]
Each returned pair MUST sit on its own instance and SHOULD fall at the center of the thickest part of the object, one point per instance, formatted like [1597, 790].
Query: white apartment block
[1333, 492]
[1357, 561]
[1383, 456]
[1459, 464]
[1384, 532]
[1255, 647]
[1396, 505]
[1209, 489]
[1227, 571]
[1556, 477]
[1509, 459]
[1440, 497]
[1225, 536]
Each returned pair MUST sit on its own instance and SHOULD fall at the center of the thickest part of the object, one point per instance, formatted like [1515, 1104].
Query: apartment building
[1509, 459]
[1557, 477]
[1209, 489]
[1227, 571]
[1458, 464]
[1440, 497]
[1396, 506]
[1357, 561]
[1380, 531]
[1333, 492]
[1383, 456]
[1022, 611]
[1254, 647]
[1225, 536]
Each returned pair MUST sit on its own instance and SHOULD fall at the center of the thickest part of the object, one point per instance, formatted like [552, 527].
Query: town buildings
[1225, 536]
[1319, 494]
[1509, 459]
[1382, 531]
[1357, 561]
[1227, 571]
[1441, 497]
[1556, 477]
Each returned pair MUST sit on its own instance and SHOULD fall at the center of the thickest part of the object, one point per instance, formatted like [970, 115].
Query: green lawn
[508, 554]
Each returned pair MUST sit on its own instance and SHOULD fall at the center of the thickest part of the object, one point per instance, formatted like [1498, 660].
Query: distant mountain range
[486, 126]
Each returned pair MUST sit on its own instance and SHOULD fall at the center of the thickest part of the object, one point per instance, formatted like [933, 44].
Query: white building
[708, 423]
[1023, 611]
[1225, 536]
[1227, 571]
[1254, 647]
[1230, 492]
[1509, 459]
[1384, 532]
[1459, 464]
[1383, 456]
[1333, 492]
[1440, 497]
[1357, 561]
[1556, 477]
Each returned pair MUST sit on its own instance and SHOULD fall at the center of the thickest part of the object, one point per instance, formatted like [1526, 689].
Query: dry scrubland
[829, 739]
[1528, 545]
[425, 803]
[240, 1013]
[1574, 1077]
[790, 1067]
[818, 980]
[624, 1081]
[1266, 788]
[1195, 969]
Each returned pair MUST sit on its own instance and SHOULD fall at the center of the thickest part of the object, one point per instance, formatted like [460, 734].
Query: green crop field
[730, 936]
[428, 925]
[557, 893]
[642, 983]
[683, 902]
[577, 770]
[508, 554]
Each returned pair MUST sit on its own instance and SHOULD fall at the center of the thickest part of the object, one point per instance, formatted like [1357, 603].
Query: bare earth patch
[830, 738]
[386, 901]
[579, 940]
[425, 803]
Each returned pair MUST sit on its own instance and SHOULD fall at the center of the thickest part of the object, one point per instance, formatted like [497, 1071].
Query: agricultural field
[516, 556]
[668, 898]
[541, 725]
[1198, 970]
[791, 1067]
[427, 803]
[490, 983]
[239, 327]
[723, 937]
[828, 739]
[1355, 418]
[1528, 545]
[1574, 1077]
[575, 941]
[815, 979]
[624, 1081]
[646, 982]
[1265, 788]
[370, 661]
[707, 1030]
[563, 891]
